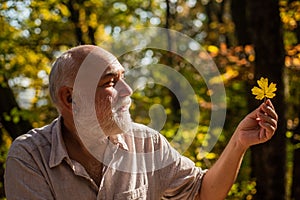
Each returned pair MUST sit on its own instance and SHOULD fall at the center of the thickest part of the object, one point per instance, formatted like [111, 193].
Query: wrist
[238, 144]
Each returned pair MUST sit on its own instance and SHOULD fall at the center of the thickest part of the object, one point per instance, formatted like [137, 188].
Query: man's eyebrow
[112, 73]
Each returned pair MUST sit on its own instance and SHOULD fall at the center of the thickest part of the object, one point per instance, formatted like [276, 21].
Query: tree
[258, 23]
[269, 160]
[290, 11]
[295, 194]
[9, 107]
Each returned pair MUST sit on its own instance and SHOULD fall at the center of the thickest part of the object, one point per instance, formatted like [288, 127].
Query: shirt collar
[119, 140]
[58, 149]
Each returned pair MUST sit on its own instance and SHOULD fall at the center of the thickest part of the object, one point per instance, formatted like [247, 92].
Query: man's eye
[123, 77]
[110, 83]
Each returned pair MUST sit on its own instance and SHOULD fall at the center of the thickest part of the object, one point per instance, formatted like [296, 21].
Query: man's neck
[77, 151]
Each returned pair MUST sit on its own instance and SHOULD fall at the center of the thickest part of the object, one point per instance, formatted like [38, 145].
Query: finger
[265, 135]
[266, 109]
[270, 129]
[267, 119]
[269, 103]
[268, 126]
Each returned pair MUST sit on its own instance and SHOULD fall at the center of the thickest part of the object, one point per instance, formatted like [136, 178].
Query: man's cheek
[103, 110]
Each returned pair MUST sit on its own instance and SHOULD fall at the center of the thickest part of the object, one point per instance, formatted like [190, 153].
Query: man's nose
[123, 88]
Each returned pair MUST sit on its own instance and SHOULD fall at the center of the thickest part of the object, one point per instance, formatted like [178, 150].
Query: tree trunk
[169, 62]
[296, 175]
[239, 17]
[2, 163]
[269, 159]
[295, 194]
[73, 7]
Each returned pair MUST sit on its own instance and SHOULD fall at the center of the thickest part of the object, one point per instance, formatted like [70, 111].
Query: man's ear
[65, 98]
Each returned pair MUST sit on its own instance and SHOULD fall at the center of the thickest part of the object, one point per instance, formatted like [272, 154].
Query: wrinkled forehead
[101, 61]
[107, 61]
[102, 58]
[113, 68]
[97, 63]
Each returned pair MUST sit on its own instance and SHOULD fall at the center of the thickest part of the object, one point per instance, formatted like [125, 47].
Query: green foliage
[5, 144]
[242, 190]
[289, 13]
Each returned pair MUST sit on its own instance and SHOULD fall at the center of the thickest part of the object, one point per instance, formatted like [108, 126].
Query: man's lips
[123, 108]
[123, 105]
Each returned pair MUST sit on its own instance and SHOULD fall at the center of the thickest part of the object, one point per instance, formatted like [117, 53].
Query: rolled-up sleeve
[179, 178]
[182, 179]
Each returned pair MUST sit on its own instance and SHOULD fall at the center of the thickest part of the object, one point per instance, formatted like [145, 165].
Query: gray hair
[65, 68]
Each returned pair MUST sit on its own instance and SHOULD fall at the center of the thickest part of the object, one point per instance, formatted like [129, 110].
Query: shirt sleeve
[24, 181]
[181, 179]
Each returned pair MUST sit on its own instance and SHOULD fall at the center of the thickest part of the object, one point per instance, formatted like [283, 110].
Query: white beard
[123, 120]
[119, 121]
[121, 115]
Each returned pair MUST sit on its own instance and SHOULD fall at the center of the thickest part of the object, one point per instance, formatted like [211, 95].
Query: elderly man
[78, 157]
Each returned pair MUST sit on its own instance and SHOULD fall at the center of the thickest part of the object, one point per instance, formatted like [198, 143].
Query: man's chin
[121, 123]
[118, 129]
[124, 121]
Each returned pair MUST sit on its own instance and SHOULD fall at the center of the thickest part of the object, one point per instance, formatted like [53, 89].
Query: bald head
[66, 67]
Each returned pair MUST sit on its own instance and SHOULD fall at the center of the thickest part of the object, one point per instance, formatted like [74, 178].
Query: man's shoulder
[144, 131]
[143, 128]
[148, 134]
[32, 140]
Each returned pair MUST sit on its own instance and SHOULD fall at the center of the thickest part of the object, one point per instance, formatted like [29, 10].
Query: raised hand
[257, 127]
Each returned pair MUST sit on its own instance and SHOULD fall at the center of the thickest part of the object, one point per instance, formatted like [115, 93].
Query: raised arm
[257, 127]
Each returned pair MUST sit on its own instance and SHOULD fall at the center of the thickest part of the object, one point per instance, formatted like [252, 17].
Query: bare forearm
[220, 178]
[257, 127]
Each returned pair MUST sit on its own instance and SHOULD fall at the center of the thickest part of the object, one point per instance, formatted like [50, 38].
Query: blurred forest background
[247, 39]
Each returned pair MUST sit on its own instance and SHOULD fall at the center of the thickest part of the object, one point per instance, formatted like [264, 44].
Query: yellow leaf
[258, 92]
[264, 90]
[213, 49]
